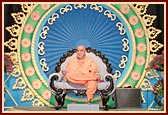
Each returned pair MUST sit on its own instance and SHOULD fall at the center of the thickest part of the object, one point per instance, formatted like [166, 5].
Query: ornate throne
[60, 88]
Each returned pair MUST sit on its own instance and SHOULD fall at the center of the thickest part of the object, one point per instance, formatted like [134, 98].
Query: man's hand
[99, 78]
[64, 72]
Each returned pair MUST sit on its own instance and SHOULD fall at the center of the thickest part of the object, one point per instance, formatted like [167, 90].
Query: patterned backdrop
[44, 32]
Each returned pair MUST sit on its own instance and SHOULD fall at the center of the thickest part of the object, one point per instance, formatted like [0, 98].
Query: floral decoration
[45, 6]
[158, 91]
[30, 71]
[140, 60]
[157, 63]
[36, 84]
[25, 43]
[35, 16]
[125, 9]
[139, 33]
[133, 20]
[141, 47]
[135, 75]
[28, 28]
[26, 56]
[46, 94]
[8, 64]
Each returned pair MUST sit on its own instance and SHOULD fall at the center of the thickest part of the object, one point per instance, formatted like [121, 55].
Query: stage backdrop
[42, 33]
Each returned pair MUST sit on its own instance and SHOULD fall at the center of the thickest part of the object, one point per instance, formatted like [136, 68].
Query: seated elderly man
[83, 71]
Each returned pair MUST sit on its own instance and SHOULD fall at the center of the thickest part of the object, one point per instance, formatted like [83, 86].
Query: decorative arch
[44, 32]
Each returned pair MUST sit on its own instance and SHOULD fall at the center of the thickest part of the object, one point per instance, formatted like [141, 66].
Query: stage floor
[52, 109]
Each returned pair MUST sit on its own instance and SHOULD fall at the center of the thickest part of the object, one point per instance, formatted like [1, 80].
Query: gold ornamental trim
[147, 41]
[33, 45]
[19, 59]
[133, 45]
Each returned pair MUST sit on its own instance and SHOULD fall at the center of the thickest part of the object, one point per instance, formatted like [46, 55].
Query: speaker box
[128, 97]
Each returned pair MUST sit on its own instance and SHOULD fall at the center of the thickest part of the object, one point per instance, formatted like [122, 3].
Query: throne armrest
[59, 76]
[54, 77]
[109, 78]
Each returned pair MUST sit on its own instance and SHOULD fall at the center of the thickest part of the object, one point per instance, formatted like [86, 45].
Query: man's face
[80, 51]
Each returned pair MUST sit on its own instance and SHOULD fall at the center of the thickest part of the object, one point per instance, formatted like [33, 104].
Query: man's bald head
[81, 47]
